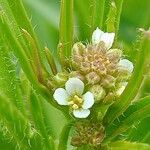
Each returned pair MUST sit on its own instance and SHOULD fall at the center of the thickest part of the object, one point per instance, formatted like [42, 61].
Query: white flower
[107, 38]
[126, 64]
[72, 96]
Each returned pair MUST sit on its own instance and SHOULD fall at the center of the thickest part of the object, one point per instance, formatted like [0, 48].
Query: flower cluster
[88, 133]
[96, 69]
[101, 67]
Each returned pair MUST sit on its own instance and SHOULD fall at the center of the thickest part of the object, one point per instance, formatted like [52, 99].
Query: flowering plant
[86, 96]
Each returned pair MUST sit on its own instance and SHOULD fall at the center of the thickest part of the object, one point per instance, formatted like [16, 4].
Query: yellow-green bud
[99, 92]
[78, 48]
[109, 98]
[108, 81]
[76, 74]
[60, 78]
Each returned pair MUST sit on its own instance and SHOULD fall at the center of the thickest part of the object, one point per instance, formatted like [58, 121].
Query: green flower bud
[76, 74]
[99, 92]
[60, 78]
[111, 97]
[78, 48]
[108, 81]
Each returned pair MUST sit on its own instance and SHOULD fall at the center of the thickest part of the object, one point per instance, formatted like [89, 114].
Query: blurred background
[45, 18]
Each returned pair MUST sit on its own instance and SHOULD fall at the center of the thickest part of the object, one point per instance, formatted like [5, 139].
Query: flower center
[76, 102]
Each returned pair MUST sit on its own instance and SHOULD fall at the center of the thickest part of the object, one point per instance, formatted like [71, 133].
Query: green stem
[125, 145]
[99, 13]
[64, 136]
[119, 4]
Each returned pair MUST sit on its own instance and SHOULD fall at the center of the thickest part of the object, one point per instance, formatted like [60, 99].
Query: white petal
[126, 64]
[74, 86]
[96, 36]
[81, 113]
[88, 100]
[108, 39]
[61, 96]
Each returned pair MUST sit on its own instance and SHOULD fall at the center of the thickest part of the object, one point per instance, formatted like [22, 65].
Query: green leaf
[20, 16]
[17, 124]
[111, 18]
[66, 26]
[85, 19]
[99, 13]
[8, 79]
[141, 132]
[119, 4]
[125, 145]
[39, 122]
[16, 47]
[132, 88]
[133, 114]
[25, 64]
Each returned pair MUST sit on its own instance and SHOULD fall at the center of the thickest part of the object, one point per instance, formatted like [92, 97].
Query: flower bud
[60, 78]
[109, 98]
[114, 55]
[99, 93]
[78, 48]
[92, 78]
[123, 75]
[76, 74]
[89, 133]
[108, 81]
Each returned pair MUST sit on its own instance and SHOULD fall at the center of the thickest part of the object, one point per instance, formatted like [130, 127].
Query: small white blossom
[107, 38]
[72, 96]
[126, 64]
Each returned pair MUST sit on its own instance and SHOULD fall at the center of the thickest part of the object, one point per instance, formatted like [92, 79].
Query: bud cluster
[99, 67]
[88, 133]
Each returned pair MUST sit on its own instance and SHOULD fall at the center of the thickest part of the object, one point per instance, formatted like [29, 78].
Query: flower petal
[61, 96]
[126, 64]
[96, 36]
[81, 113]
[88, 100]
[108, 39]
[74, 86]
